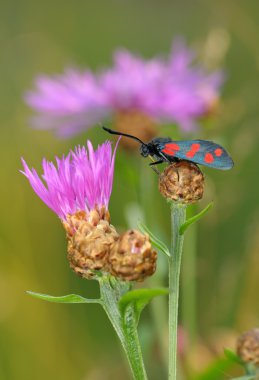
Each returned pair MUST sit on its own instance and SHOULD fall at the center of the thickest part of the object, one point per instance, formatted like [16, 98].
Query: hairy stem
[158, 307]
[124, 325]
[178, 215]
[188, 280]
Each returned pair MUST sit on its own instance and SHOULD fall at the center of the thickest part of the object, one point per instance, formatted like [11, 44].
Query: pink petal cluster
[132, 83]
[188, 92]
[80, 181]
[169, 90]
[68, 103]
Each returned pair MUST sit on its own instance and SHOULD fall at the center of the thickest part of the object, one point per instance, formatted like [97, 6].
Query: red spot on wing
[208, 158]
[170, 149]
[172, 146]
[194, 149]
[170, 152]
[218, 152]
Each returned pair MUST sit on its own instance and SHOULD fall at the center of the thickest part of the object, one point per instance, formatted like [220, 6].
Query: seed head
[248, 346]
[132, 257]
[182, 182]
[90, 237]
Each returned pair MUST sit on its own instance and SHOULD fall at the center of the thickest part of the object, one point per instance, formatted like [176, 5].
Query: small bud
[90, 237]
[139, 124]
[132, 257]
[212, 108]
[182, 182]
[248, 347]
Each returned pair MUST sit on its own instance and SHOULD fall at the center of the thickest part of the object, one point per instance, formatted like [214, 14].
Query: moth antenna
[112, 132]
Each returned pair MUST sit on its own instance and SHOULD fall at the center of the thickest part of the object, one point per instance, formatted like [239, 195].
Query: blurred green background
[75, 342]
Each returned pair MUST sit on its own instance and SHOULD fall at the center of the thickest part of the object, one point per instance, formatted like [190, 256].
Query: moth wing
[201, 152]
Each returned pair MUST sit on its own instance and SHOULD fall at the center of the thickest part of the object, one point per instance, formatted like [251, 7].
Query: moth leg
[153, 163]
[165, 158]
[156, 162]
[155, 169]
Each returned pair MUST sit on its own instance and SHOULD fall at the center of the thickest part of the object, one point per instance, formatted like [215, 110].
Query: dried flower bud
[182, 182]
[139, 124]
[90, 237]
[132, 257]
[212, 108]
[248, 347]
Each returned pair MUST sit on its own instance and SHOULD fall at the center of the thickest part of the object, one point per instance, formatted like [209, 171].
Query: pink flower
[131, 83]
[188, 92]
[170, 90]
[68, 103]
[80, 181]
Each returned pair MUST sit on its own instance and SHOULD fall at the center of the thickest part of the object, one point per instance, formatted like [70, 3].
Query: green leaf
[139, 298]
[70, 298]
[154, 240]
[231, 355]
[194, 219]
[215, 371]
[247, 377]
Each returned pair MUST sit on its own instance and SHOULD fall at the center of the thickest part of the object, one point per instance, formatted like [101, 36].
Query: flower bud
[90, 237]
[248, 346]
[182, 182]
[139, 124]
[132, 257]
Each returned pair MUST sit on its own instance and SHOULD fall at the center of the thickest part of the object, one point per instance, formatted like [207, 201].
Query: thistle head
[182, 182]
[132, 257]
[136, 93]
[90, 239]
[78, 189]
[248, 346]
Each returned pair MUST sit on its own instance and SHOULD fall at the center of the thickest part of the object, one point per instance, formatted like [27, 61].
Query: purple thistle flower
[188, 92]
[68, 103]
[80, 181]
[172, 90]
[132, 82]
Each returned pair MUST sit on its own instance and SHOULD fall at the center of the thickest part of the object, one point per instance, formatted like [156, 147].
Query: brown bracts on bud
[90, 237]
[182, 182]
[213, 108]
[132, 257]
[138, 124]
[248, 347]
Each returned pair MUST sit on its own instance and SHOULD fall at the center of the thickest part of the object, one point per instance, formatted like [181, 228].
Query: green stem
[159, 305]
[178, 215]
[125, 327]
[188, 280]
[159, 315]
